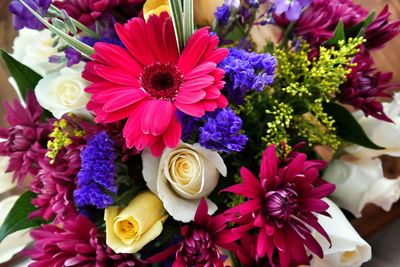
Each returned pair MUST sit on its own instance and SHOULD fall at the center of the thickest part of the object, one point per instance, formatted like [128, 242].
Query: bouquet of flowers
[197, 132]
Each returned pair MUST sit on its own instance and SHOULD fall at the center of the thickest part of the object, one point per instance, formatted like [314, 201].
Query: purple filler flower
[222, 14]
[291, 8]
[23, 18]
[97, 175]
[221, 132]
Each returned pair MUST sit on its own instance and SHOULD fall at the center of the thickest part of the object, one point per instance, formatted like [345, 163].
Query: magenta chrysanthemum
[75, 244]
[365, 85]
[202, 242]
[55, 184]
[25, 139]
[147, 83]
[282, 205]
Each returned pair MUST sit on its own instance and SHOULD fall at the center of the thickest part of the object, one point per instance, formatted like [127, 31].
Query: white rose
[63, 91]
[6, 178]
[348, 248]
[361, 182]
[15, 242]
[33, 49]
[382, 133]
[182, 176]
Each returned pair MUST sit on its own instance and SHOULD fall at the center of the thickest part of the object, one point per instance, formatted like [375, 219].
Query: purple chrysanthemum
[364, 86]
[25, 139]
[381, 30]
[282, 205]
[291, 8]
[222, 14]
[221, 132]
[247, 71]
[22, 17]
[96, 179]
[77, 243]
[55, 183]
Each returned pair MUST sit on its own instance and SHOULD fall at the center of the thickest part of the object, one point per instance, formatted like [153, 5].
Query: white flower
[361, 182]
[6, 178]
[33, 49]
[63, 91]
[382, 133]
[348, 248]
[182, 176]
[15, 242]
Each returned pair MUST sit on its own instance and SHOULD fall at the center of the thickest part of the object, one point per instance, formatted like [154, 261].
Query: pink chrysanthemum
[147, 83]
[202, 242]
[75, 244]
[54, 185]
[26, 138]
[282, 205]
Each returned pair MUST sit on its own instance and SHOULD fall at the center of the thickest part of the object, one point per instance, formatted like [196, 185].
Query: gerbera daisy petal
[110, 75]
[193, 51]
[156, 117]
[124, 99]
[172, 135]
[189, 97]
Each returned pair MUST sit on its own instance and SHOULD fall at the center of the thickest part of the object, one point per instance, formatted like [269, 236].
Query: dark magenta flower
[22, 17]
[365, 85]
[202, 242]
[282, 204]
[381, 30]
[55, 184]
[318, 22]
[77, 243]
[86, 11]
[26, 138]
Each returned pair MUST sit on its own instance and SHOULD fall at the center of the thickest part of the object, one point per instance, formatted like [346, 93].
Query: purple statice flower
[23, 18]
[74, 57]
[221, 132]
[24, 141]
[246, 71]
[291, 8]
[222, 14]
[96, 179]
[190, 125]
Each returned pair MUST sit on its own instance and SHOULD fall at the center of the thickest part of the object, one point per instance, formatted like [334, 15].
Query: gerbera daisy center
[161, 81]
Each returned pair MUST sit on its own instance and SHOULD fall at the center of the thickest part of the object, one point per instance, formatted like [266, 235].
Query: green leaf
[358, 30]
[338, 36]
[347, 126]
[18, 217]
[78, 45]
[26, 78]
[176, 9]
[188, 20]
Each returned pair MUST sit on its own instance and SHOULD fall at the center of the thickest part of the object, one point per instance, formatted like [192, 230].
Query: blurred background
[381, 229]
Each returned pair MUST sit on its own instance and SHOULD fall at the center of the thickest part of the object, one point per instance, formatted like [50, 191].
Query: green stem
[287, 34]
[77, 24]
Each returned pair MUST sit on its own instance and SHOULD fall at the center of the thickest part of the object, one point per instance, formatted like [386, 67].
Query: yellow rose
[129, 229]
[204, 11]
[155, 7]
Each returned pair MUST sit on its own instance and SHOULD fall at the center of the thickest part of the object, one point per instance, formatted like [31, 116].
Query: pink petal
[190, 97]
[156, 117]
[124, 100]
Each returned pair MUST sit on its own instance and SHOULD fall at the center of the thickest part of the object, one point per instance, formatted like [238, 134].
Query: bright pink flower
[202, 242]
[381, 30]
[147, 83]
[283, 204]
[26, 138]
[75, 244]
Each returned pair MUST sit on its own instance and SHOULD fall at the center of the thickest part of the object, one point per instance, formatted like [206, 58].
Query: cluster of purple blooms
[246, 71]
[221, 132]
[22, 18]
[96, 179]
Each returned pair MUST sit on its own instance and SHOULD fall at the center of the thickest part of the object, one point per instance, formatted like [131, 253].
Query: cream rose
[33, 49]
[15, 242]
[129, 229]
[182, 176]
[62, 92]
[382, 133]
[348, 248]
[361, 182]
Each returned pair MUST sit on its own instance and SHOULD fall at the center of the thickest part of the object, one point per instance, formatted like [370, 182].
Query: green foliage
[26, 78]
[18, 217]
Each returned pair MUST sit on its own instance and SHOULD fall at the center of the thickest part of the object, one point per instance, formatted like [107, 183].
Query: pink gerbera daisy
[149, 81]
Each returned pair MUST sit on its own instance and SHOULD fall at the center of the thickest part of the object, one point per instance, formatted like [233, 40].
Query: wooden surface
[387, 59]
